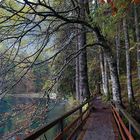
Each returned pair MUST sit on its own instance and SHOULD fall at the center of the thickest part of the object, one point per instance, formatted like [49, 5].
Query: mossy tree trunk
[128, 62]
[137, 38]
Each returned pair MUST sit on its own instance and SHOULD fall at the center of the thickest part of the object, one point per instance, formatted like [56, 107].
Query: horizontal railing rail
[83, 114]
[126, 132]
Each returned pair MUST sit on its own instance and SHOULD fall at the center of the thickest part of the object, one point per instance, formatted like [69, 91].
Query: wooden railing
[130, 129]
[69, 131]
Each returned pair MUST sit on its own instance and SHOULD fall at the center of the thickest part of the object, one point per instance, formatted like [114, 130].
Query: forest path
[100, 125]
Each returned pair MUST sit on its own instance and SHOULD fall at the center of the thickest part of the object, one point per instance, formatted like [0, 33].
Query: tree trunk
[137, 39]
[117, 41]
[116, 91]
[106, 77]
[77, 76]
[83, 72]
[102, 69]
[114, 76]
[128, 62]
[104, 74]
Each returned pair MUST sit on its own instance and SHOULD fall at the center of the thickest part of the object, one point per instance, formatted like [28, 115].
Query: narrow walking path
[100, 125]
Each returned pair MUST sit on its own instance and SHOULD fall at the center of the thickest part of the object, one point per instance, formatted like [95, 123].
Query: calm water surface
[17, 116]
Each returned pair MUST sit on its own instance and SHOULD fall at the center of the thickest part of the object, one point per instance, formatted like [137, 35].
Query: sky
[93, 1]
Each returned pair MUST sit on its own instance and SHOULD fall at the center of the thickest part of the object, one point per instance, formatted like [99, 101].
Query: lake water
[21, 116]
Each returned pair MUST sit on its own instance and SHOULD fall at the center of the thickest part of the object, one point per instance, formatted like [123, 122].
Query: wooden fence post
[62, 127]
[81, 120]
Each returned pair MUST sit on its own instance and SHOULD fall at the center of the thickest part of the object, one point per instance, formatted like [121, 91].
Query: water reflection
[17, 114]
[21, 116]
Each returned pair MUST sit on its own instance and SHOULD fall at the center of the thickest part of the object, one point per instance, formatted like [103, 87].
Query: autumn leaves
[116, 5]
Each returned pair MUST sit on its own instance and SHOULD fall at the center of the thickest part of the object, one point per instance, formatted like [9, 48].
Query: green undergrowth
[134, 107]
[136, 88]
[72, 102]
[106, 98]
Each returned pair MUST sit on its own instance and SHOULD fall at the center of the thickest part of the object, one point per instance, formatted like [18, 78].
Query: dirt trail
[100, 125]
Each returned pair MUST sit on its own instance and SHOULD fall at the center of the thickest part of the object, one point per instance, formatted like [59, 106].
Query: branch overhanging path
[30, 25]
